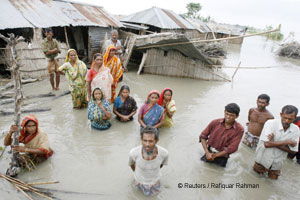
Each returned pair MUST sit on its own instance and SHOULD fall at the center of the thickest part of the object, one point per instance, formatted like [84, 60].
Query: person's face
[229, 117]
[153, 98]
[112, 52]
[72, 56]
[261, 104]
[287, 119]
[49, 35]
[167, 95]
[148, 142]
[98, 95]
[125, 93]
[114, 36]
[98, 60]
[30, 127]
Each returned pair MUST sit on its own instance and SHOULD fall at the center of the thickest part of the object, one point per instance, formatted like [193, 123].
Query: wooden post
[15, 71]
[142, 63]
[235, 73]
[67, 40]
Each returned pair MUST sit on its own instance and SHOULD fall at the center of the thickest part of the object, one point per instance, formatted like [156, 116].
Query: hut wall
[96, 39]
[173, 63]
[32, 59]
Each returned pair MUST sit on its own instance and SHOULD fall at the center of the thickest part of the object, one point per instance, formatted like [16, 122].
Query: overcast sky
[257, 13]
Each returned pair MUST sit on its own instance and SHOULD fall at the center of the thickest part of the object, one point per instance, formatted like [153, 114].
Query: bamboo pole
[23, 192]
[41, 183]
[66, 35]
[209, 40]
[12, 42]
[236, 70]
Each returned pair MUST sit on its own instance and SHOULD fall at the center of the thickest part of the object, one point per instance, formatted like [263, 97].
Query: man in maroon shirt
[222, 136]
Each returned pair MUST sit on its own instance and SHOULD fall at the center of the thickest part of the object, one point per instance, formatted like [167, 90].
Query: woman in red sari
[36, 144]
[114, 64]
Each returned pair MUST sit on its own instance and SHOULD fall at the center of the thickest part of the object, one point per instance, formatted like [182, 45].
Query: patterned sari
[115, 66]
[126, 107]
[168, 122]
[153, 115]
[96, 114]
[103, 80]
[76, 79]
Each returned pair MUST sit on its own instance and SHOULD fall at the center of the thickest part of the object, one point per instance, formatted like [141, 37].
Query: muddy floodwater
[93, 164]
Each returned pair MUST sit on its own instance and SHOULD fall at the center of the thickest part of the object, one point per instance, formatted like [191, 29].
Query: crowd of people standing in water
[272, 139]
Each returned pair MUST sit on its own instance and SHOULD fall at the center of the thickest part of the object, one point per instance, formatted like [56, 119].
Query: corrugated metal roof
[199, 25]
[227, 28]
[49, 13]
[41, 13]
[188, 50]
[97, 15]
[158, 17]
[10, 17]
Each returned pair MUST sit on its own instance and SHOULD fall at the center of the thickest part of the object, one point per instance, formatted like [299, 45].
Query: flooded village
[162, 49]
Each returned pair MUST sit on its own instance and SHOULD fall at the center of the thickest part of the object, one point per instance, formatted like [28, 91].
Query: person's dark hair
[289, 109]
[169, 91]
[96, 55]
[264, 96]
[232, 108]
[150, 130]
[124, 87]
[48, 30]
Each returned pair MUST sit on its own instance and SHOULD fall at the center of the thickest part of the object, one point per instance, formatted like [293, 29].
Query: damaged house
[75, 25]
[164, 46]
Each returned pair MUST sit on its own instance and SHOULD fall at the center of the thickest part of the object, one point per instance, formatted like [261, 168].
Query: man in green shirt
[51, 49]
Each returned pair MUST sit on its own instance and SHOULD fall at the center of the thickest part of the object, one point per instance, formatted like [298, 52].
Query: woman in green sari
[75, 72]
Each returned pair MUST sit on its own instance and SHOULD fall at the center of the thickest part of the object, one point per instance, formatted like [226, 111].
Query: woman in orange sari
[114, 64]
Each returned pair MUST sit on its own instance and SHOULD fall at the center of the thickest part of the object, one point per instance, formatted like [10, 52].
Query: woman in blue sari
[125, 105]
[99, 111]
[151, 114]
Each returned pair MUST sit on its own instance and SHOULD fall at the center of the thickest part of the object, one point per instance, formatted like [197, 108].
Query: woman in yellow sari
[75, 72]
[114, 64]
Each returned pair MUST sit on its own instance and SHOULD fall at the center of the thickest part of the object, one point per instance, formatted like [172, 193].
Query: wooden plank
[129, 50]
[142, 63]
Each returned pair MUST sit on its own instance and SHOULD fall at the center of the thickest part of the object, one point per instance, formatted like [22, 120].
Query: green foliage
[1, 148]
[193, 10]
[274, 35]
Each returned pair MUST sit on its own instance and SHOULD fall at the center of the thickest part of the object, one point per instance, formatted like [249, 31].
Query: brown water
[90, 161]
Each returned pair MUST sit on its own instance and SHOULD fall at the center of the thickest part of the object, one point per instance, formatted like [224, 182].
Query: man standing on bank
[146, 161]
[257, 118]
[51, 49]
[277, 139]
[222, 136]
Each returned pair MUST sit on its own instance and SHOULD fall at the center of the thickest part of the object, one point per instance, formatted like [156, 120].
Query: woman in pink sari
[151, 114]
[99, 77]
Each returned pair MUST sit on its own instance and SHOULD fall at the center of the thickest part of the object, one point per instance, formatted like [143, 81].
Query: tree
[193, 10]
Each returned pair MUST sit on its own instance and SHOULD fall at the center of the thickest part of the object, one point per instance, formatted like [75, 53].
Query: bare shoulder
[270, 115]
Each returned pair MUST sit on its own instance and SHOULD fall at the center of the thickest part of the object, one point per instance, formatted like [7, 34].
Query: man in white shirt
[146, 161]
[278, 138]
